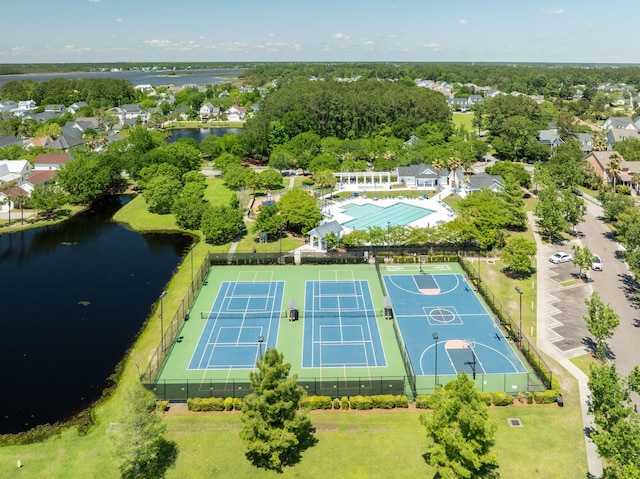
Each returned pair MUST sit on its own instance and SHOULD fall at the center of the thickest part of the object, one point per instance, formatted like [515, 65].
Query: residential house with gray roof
[614, 136]
[619, 123]
[483, 181]
[422, 176]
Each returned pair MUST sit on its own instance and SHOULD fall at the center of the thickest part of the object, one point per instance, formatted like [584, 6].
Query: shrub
[547, 397]
[383, 401]
[500, 398]
[205, 404]
[623, 189]
[422, 401]
[228, 404]
[237, 404]
[529, 395]
[402, 401]
[344, 403]
[336, 403]
[162, 406]
[316, 402]
[486, 397]
[521, 397]
[361, 403]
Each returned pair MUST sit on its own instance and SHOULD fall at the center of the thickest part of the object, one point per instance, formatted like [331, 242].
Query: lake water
[154, 78]
[199, 134]
[74, 296]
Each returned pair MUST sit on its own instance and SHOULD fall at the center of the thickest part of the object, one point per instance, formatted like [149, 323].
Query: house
[422, 176]
[619, 123]
[41, 177]
[66, 142]
[55, 108]
[5, 204]
[128, 113]
[51, 161]
[473, 99]
[73, 109]
[318, 235]
[235, 113]
[637, 122]
[458, 104]
[484, 181]
[14, 170]
[9, 140]
[24, 106]
[41, 141]
[550, 137]
[600, 160]
[614, 136]
[7, 106]
[586, 142]
[39, 117]
[209, 111]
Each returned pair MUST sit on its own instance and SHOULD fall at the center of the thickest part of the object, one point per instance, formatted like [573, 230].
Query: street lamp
[519, 291]
[260, 341]
[162, 295]
[435, 338]
[193, 245]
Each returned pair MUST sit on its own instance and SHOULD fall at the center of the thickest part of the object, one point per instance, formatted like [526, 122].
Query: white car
[597, 263]
[560, 257]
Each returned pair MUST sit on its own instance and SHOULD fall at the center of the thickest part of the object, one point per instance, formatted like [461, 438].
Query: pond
[199, 134]
[74, 297]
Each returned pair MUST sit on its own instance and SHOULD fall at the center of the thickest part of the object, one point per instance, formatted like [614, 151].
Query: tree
[614, 168]
[601, 322]
[574, 208]
[160, 193]
[237, 176]
[517, 255]
[138, 438]
[300, 210]
[275, 430]
[269, 179]
[269, 220]
[459, 434]
[220, 224]
[549, 212]
[188, 212]
[47, 199]
[582, 257]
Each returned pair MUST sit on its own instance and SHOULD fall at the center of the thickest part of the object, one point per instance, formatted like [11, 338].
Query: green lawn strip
[217, 192]
[464, 120]
[584, 362]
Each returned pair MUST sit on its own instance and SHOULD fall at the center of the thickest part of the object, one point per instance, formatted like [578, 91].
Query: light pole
[162, 295]
[260, 341]
[435, 338]
[519, 291]
[193, 245]
[389, 239]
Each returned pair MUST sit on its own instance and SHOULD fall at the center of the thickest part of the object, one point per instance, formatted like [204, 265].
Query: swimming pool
[369, 215]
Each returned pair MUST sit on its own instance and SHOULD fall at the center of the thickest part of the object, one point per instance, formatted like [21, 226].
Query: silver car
[597, 263]
[560, 257]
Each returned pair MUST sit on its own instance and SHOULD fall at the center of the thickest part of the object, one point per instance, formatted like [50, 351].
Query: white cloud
[94, 1]
[297, 47]
[434, 46]
[369, 42]
[158, 43]
[463, 21]
[340, 36]
[119, 20]
[552, 11]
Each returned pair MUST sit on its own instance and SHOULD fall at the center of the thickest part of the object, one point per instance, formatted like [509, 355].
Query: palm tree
[614, 168]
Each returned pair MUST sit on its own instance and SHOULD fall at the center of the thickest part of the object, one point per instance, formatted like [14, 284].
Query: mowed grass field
[464, 120]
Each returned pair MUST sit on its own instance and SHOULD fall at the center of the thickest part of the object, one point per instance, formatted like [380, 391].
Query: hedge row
[214, 404]
[383, 401]
[498, 398]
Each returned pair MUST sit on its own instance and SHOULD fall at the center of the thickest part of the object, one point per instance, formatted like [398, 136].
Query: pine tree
[459, 435]
[274, 429]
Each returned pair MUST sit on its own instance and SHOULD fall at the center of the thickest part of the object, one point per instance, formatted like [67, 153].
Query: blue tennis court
[369, 215]
[242, 314]
[467, 336]
[340, 328]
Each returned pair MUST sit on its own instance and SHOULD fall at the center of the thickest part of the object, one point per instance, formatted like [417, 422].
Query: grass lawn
[463, 120]
[584, 362]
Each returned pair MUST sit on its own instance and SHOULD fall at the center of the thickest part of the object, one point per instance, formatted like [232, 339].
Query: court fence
[181, 315]
[181, 390]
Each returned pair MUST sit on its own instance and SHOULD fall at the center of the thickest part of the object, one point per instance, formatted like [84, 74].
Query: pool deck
[442, 213]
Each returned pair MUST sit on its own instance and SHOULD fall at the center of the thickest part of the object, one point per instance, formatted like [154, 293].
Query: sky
[569, 31]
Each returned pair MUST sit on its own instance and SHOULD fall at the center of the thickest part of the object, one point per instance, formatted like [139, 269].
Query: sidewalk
[544, 335]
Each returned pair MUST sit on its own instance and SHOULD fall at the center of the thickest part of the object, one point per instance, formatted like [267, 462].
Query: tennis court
[340, 328]
[243, 320]
[369, 215]
[445, 326]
